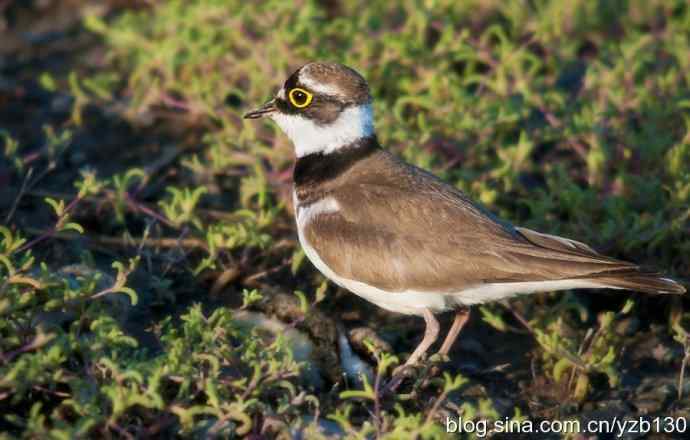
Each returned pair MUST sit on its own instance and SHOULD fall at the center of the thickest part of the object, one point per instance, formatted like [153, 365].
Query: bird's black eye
[300, 98]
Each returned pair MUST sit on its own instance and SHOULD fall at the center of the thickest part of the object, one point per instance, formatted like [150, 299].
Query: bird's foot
[421, 371]
[399, 374]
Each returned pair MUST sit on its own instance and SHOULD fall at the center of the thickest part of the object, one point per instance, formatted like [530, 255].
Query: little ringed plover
[400, 237]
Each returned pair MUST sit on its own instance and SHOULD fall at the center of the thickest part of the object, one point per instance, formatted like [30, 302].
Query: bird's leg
[430, 336]
[461, 318]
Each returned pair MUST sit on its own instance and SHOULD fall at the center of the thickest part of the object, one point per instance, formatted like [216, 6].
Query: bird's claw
[430, 367]
[399, 374]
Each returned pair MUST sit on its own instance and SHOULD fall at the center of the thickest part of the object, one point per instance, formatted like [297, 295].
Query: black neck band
[316, 168]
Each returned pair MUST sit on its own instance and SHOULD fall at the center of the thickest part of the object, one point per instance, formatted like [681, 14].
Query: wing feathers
[608, 272]
[555, 242]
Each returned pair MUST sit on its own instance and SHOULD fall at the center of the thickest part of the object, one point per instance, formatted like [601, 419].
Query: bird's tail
[602, 270]
[638, 280]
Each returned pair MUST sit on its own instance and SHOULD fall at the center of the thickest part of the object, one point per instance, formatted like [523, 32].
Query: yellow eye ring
[300, 98]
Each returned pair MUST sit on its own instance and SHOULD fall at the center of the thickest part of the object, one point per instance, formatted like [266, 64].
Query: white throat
[309, 138]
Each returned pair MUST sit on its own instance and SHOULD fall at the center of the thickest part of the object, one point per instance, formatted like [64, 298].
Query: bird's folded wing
[431, 237]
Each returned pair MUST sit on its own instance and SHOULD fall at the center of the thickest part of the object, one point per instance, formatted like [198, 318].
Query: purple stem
[49, 233]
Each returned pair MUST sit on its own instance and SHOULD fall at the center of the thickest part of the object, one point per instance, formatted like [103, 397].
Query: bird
[400, 237]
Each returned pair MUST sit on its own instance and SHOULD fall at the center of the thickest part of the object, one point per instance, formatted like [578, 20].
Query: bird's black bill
[265, 109]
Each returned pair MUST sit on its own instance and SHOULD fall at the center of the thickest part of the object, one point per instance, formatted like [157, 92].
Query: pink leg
[461, 318]
[430, 336]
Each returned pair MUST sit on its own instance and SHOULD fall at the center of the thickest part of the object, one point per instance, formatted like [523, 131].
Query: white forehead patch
[308, 137]
[281, 93]
[316, 86]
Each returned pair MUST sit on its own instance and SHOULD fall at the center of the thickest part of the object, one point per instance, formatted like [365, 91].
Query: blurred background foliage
[150, 279]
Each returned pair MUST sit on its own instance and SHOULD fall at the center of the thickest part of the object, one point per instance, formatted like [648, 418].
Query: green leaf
[303, 302]
[73, 226]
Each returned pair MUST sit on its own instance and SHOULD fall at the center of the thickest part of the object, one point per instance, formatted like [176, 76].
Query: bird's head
[321, 107]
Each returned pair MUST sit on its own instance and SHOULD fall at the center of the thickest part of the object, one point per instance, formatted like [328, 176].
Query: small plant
[573, 362]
